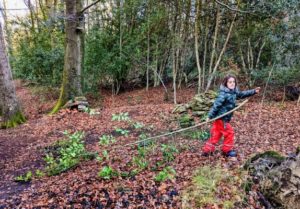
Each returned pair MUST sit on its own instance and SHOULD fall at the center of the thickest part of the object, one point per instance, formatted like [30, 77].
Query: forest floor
[271, 126]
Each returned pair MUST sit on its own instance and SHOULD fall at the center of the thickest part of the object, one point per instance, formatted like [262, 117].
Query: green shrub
[68, 154]
[106, 140]
[166, 173]
[107, 173]
[168, 152]
[24, 178]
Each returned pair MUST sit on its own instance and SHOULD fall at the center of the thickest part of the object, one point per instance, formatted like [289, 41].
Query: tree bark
[10, 108]
[7, 29]
[197, 45]
[218, 17]
[71, 86]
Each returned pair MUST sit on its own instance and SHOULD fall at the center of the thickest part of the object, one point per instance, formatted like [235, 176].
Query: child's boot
[231, 153]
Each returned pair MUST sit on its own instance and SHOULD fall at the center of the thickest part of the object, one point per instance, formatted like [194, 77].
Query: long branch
[191, 127]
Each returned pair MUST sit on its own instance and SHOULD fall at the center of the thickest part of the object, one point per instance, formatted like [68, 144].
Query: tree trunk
[205, 52]
[221, 54]
[197, 46]
[11, 111]
[71, 86]
[7, 29]
[218, 17]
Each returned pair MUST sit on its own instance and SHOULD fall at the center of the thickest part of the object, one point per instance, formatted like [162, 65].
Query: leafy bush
[107, 173]
[281, 76]
[122, 131]
[106, 140]
[123, 116]
[168, 152]
[70, 152]
[24, 178]
[36, 59]
[166, 173]
[140, 160]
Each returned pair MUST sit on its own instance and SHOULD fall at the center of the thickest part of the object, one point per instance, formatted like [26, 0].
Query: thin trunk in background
[197, 20]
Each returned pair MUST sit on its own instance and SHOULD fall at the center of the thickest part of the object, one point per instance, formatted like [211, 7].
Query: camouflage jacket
[225, 102]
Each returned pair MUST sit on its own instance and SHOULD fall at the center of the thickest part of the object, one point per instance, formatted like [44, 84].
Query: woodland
[104, 103]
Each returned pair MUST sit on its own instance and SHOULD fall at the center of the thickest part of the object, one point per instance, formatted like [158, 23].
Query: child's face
[231, 83]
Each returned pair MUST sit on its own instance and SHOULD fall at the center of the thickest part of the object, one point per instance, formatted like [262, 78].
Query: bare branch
[232, 9]
[87, 7]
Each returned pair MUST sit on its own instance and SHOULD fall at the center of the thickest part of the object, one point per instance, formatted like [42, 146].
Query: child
[225, 102]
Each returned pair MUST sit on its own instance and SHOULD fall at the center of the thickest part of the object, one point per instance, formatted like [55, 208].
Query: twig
[233, 9]
[87, 7]
[264, 201]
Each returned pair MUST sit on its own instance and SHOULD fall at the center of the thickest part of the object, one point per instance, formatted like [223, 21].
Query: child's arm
[247, 93]
[217, 104]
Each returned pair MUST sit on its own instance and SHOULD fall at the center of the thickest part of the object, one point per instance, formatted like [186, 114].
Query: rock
[278, 178]
[181, 108]
[79, 103]
[200, 104]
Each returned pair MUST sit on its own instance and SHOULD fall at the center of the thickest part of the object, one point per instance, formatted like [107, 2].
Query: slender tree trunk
[221, 54]
[218, 17]
[148, 56]
[205, 52]
[29, 5]
[120, 43]
[259, 54]
[242, 59]
[250, 55]
[205, 42]
[174, 73]
[156, 68]
[71, 86]
[9, 107]
[197, 20]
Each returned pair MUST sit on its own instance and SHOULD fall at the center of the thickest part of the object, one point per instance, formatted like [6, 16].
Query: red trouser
[216, 133]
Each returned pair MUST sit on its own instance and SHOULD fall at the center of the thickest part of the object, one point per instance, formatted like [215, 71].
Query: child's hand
[257, 89]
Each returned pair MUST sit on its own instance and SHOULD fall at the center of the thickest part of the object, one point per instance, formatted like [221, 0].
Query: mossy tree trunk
[9, 105]
[71, 85]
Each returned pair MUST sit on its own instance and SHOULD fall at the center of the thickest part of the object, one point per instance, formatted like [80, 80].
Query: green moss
[268, 154]
[15, 120]
[186, 121]
[57, 107]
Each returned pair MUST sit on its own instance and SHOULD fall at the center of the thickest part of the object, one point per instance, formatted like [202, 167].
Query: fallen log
[278, 178]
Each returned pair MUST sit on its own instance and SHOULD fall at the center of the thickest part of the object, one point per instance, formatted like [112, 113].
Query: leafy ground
[272, 126]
